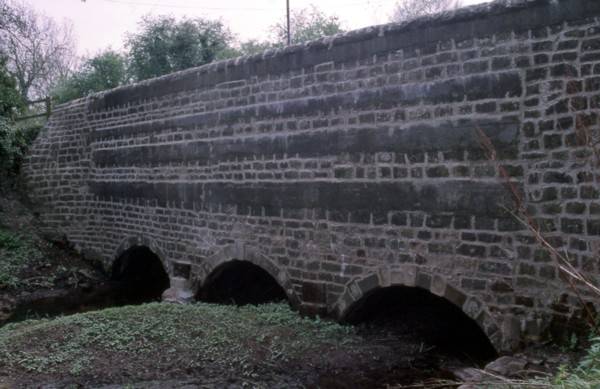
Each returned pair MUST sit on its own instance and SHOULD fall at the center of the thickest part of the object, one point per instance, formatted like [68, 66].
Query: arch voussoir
[140, 241]
[436, 284]
[249, 254]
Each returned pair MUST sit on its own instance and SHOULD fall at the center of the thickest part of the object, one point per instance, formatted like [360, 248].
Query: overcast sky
[99, 24]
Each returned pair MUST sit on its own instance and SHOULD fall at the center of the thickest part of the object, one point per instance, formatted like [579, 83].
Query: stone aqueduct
[353, 163]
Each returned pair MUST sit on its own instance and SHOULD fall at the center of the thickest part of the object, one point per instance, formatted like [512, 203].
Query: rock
[511, 367]
[176, 295]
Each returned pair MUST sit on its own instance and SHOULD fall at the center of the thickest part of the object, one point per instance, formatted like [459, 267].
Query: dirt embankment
[162, 345]
[227, 346]
[39, 276]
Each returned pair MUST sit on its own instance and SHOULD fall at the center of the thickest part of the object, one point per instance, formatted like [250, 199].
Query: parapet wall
[354, 162]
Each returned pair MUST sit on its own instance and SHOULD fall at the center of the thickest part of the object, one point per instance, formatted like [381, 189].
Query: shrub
[14, 143]
[586, 375]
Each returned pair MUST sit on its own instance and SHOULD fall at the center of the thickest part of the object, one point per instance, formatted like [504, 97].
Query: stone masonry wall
[353, 163]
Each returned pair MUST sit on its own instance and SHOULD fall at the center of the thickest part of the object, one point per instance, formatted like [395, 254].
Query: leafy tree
[307, 24]
[10, 98]
[40, 52]
[254, 47]
[410, 9]
[13, 141]
[166, 45]
[106, 70]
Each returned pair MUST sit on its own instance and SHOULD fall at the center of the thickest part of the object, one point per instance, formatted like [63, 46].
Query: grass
[16, 254]
[161, 339]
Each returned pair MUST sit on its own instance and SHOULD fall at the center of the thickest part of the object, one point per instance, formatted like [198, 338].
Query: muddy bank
[41, 275]
[201, 345]
[261, 346]
[67, 301]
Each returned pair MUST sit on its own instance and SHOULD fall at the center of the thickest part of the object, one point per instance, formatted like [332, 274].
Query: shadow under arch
[435, 312]
[240, 283]
[140, 275]
[239, 274]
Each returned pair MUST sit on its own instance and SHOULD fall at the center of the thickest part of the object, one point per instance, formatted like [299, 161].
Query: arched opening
[241, 283]
[416, 316]
[140, 276]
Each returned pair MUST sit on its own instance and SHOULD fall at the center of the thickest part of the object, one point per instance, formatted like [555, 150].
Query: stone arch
[244, 253]
[139, 271]
[414, 277]
[140, 241]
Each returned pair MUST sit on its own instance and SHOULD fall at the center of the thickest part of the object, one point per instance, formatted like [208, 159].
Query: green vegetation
[411, 9]
[13, 141]
[168, 337]
[584, 376]
[11, 102]
[165, 45]
[308, 24]
[16, 254]
[104, 71]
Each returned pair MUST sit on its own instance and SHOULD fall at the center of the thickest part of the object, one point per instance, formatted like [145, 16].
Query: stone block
[407, 276]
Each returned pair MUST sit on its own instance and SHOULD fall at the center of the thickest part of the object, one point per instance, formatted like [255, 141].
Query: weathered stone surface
[460, 197]
[352, 163]
[446, 136]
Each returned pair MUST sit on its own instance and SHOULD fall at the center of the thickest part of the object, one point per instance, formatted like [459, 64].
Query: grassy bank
[218, 346]
[160, 341]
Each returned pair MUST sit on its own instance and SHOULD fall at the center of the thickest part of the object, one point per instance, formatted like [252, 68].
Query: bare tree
[410, 9]
[40, 52]
[7, 15]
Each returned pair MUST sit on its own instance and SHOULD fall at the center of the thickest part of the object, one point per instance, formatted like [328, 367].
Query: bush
[586, 375]
[11, 102]
[14, 143]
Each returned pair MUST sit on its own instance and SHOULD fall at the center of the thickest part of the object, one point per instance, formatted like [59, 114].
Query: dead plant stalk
[565, 266]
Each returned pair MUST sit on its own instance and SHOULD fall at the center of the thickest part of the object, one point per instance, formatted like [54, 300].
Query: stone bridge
[350, 165]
